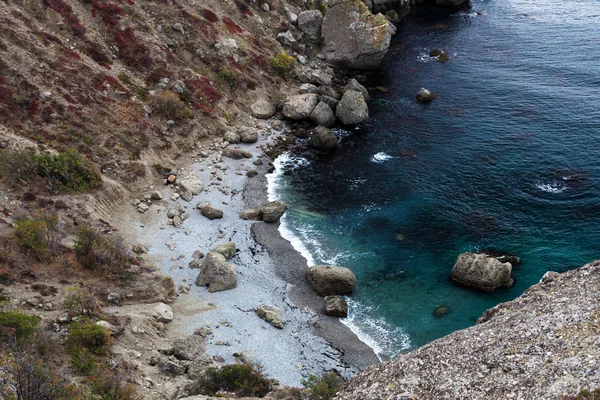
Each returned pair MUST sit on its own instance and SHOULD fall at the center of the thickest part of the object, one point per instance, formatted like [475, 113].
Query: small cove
[506, 157]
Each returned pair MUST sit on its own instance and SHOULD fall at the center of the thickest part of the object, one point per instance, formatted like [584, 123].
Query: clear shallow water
[507, 157]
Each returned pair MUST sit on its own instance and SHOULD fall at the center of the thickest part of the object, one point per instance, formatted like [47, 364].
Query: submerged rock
[425, 95]
[481, 272]
[323, 139]
[441, 311]
[330, 280]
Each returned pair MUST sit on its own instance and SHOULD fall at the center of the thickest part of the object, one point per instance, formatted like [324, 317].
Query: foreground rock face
[481, 272]
[353, 37]
[328, 280]
[543, 345]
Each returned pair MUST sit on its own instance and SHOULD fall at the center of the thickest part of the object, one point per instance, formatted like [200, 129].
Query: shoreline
[270, 272]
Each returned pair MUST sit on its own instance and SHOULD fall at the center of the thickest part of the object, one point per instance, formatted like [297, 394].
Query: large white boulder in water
[481, 272]
[353, 37]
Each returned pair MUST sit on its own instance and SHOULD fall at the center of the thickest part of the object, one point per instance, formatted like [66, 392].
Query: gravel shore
[270, 272]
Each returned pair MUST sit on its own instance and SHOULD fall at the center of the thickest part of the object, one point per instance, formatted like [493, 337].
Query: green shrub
[241, 379]
[69, 171]
[86, 334]
[38, 234]
[16, 166]
[107, 385]
[79, 301]
[282, 63]
[82, 360]
[324, 387]
[21, 325]
[169, 105]
[228, 76]
[95, 251]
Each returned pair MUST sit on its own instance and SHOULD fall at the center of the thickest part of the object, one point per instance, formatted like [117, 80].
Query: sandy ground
[270, 272]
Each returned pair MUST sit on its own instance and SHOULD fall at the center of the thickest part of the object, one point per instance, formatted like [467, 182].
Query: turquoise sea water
[508, 156]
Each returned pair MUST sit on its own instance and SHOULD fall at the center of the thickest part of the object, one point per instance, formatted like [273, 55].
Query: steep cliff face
[543, 345]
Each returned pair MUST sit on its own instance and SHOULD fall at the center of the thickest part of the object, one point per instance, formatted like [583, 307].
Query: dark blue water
[508, 156]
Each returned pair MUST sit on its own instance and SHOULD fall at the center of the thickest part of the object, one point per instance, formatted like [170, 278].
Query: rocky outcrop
[481, 272]
[310, 22]
[352, 109]
[329, 280]
[543, 345]
[353, 37]
[217, 274]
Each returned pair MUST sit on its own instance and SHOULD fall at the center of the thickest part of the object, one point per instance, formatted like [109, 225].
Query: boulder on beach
[209, 211]
[336, 306]
[323, 139]
[236, 154]
[481, 272]
[300, 106]
[331, 280]
[227, 250]
[310, 22]
[323, 115]
[163, 313]
[232, 137]
[353, 37]
[190, 181]
[352, 109]
[271, 315]
[273, 211]
[217, 274]
[249, 136]
[425, 95]
[252, 214]
[262, 109]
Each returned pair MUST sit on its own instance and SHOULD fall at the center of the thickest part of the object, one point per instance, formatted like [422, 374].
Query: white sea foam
[553, 187]
[383, 338]
[381, 157]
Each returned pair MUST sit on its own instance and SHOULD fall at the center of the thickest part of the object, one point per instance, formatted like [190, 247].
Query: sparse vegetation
[69, 171]
[282, 63]
[79, 301]
[38, 234]
[324, 387]
[21, 325]
[228, 76]
[169, 105]
[584, 395]
[241, 379]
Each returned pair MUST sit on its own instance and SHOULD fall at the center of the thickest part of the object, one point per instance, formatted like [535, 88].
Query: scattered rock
[323, 115]
[252, 173]
[425, 96]
[209, 211]
[392, 16]
[189, 348]
[308, 88]
[113, 297]
[143, 207]
[352, 109]
[319, 77]
[310, 22]
[173, 368]
[323, 139]
[272, 315]
[139, 248]
[300, 106]
[198, 367]
[330, 280]
[107, 325]
[227, 250]
[332, 102]
[249, 136]
[191, 182]
[232, 137]
[163, 313]
[156, 195]
[236, 154]
[262, 109]
[481, 272]
[287, 39]
[217, 274]
[336, 306]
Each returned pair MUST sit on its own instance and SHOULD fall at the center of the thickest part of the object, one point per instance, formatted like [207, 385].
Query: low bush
[585, 395]
[85, 334]
[82, 360]
[69, 171]
[169, 105]
[324, 387]
[38, 234]
[228, 76]
[79, 301]
[282, 63]
[17, 166]
[22, 326]
[108, 385]
[23, 376]
[241, 379]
